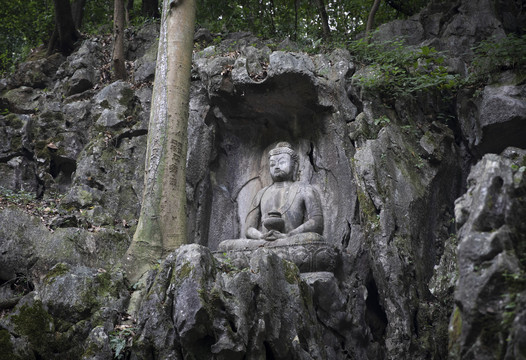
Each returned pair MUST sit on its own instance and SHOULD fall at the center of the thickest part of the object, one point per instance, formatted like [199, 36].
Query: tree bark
[129, 8]
[162, 223]
[119, 66]
[150, 8]
[324, 19]
[370, 19]
[296, 5]
[65, 34]
[77, 9]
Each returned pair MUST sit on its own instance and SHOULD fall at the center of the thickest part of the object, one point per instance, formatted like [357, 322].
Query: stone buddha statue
[283, 213]
[286, 207]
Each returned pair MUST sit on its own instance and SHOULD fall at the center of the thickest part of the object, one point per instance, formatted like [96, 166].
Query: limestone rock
[76, 293]
[29, 248]
[491, 290]
[196, 308]
[54, 321]
[82, 67]
[22, 100]
[494, 121]
[36, 73]
[97, 345]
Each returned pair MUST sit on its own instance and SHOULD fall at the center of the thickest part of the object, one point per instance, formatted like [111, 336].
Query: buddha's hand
[273, 235]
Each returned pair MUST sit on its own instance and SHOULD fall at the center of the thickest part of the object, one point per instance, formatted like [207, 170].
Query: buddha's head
[283, 162]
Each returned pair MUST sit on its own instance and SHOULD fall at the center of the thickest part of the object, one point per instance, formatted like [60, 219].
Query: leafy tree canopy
[298, 19]
[29, 23]
[24, 24]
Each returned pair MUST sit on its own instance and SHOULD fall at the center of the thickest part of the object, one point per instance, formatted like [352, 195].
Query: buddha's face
[281, 167]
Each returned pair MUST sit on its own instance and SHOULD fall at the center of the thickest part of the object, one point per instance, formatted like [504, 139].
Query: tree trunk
[324, 19]
[162, 223]
[129, 8]
[296, 5]
[77, 9]
[370, 19]
[150, 8]
[65, 34]
[119, 67]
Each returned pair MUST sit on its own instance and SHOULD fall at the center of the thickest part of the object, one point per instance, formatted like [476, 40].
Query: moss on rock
[57, 270]
[35, 323]
[6, 347]
[13, 121]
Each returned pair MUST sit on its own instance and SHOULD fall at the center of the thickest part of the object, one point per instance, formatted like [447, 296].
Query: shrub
[399, 70]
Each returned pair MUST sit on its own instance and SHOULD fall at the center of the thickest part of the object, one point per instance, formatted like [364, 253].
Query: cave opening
[375, 315]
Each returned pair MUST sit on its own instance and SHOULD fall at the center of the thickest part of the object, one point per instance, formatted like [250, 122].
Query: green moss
[291, 272]
[455, 330]
[57, 270]
[103, 280]
[41, 149]
[85, 197]
[105, 104]
[368, 209]
[182, 273]
[50, 116]
[16, 142]
[6, 347]
[105, 286]
[35, 323]
[13, 121]
[48, 336]
[127, 96]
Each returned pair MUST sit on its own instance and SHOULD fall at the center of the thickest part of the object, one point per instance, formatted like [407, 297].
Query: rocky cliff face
[77, 141]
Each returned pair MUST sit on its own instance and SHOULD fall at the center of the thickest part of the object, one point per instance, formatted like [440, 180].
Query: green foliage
[7, 352]
[516, 283]
[121, 340]
[16, 197]
[382, 121]
[98, 17]
[226, 264]
[494, 55]
[24, 25]
[298, 20]
[399, 70]
[27, 24]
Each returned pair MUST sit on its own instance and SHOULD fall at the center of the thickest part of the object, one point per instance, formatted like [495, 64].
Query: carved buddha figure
[286, 207]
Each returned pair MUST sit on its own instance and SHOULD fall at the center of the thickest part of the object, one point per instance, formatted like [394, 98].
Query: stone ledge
[310, 252]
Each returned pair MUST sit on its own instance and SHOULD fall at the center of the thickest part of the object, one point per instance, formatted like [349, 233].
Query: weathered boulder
[82, 68]
[31, 249]
[145, 65]
[455, 27]
[197, 307]
[36, 73]
[487, 321]
[405, 194]
[97, 345]
[140, 40]
[494, 120]
[54, 321]
[22, 100]
[108, 178]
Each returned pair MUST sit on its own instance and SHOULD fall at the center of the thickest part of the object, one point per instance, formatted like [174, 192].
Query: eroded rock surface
[199, 307]
[488, 320]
